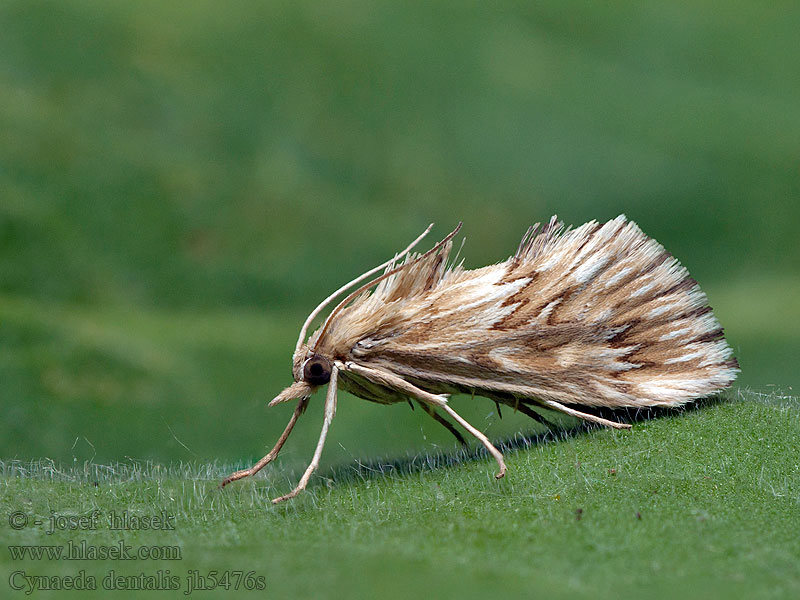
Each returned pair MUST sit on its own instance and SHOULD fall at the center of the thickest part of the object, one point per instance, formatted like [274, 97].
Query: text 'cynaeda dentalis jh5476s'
[598, 316]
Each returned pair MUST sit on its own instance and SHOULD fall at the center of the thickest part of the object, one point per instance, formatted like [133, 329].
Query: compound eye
[317, 370]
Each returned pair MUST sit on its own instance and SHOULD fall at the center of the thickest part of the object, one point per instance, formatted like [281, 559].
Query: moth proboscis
[597, 316]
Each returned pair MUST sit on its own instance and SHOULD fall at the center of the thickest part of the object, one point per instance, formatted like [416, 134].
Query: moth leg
[585, 416]
[515, 403]
[301, 406]
[330, 411]
[398, 383]
[448, 425]
[529, 412]
[498, 456]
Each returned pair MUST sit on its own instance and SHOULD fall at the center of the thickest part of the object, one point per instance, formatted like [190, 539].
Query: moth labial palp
[600, 316]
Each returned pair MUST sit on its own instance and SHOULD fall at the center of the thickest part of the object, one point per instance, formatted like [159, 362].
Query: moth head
[307, 373]
[317, 370]
[310, 367]
[310, 370]
[305, 350]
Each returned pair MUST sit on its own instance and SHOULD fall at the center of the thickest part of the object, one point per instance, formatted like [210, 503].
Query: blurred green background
[181, 183]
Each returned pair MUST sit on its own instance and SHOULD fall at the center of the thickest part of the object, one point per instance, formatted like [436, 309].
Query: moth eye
[317, 370]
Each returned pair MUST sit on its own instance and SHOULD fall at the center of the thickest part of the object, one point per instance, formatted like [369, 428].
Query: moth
[597, 316]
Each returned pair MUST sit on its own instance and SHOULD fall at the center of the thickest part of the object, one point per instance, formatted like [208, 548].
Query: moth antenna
[347, 286]
[368, 285]
[330, 412]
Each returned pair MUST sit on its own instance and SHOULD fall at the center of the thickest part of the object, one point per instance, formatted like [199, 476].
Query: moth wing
[600, 315]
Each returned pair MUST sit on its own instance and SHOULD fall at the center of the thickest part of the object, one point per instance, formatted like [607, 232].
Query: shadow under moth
[598, 316]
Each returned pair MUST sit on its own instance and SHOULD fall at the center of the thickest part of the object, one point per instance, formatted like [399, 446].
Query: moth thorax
[317, 370]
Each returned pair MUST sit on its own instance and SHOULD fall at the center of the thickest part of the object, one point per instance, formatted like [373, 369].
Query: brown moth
[598, 316]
